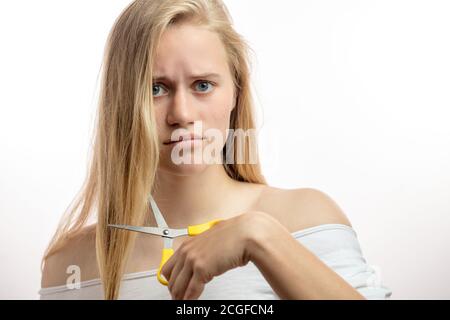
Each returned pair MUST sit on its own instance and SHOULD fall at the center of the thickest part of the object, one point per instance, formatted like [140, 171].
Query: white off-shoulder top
[336, 245]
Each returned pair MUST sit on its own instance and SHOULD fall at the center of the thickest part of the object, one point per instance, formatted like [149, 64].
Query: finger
[194, 289]
[182, 281]
[174, 276]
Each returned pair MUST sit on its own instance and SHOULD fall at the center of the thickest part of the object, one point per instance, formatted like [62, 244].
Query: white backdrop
[353, 99]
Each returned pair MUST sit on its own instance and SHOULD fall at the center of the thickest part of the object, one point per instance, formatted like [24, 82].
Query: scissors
[167, 233]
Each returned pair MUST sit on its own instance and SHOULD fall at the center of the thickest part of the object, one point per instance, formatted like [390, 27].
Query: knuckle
[197, 267]
[191, 259]
[201, 272]
[183, 249]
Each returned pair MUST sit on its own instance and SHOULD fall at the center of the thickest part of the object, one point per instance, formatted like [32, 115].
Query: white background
[353, 99]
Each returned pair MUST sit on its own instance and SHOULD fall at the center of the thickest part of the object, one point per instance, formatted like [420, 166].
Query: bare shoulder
[301, 208]
[77, 252]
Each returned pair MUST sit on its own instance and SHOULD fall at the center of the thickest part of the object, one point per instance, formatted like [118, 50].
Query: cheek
[217, 122]
[160, 121]
[218, 118]
[220, 114]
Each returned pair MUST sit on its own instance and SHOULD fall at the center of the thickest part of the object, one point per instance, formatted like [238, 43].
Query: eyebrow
[198, 76]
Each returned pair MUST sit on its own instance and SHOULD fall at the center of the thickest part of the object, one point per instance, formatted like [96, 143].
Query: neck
[194, 199]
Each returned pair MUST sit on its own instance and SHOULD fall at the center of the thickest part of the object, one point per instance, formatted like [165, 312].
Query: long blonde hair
[125, 154]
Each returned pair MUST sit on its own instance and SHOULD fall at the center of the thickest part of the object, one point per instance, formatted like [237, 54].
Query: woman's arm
[293, 271]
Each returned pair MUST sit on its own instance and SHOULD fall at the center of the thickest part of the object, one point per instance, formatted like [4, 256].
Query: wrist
[259, 235]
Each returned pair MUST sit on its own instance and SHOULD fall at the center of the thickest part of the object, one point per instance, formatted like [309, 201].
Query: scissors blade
[147, 230]
[168, 243]
[174, 233]
[157, 213]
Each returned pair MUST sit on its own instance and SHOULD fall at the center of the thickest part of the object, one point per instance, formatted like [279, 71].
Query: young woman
[168, 66]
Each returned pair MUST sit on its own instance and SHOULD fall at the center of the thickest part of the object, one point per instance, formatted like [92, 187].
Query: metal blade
[168, 243]
[157, 213]
[147, 230]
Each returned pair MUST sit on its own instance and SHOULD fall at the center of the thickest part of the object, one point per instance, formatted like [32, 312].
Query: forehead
[189, 49]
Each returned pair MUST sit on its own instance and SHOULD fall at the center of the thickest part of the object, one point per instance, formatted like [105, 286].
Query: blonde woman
[171, 65]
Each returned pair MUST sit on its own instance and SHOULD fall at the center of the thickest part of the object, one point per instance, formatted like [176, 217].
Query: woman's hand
[211, 253]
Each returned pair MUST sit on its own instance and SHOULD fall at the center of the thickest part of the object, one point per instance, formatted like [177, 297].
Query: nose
[182, 110]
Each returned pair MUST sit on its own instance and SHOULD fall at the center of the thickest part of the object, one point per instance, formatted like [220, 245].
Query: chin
[183, 169]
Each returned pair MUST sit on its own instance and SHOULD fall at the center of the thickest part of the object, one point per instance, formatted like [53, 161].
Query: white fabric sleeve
[339, 248]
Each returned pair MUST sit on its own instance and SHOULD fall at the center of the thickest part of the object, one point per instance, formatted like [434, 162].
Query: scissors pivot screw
[166, 232]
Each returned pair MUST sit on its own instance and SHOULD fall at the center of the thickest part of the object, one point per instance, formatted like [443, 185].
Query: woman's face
[192, 85]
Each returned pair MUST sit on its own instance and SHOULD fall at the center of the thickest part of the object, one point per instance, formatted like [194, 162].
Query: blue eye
[201, 86]
[155, 92]
[204, 85]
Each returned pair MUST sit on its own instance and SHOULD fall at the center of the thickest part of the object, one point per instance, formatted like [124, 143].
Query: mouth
[184, 138]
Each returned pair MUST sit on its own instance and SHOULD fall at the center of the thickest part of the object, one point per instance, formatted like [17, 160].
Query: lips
[184, 138]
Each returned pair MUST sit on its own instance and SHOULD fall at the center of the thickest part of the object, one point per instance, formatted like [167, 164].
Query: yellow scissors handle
[168, 252]
[199, 228]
